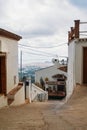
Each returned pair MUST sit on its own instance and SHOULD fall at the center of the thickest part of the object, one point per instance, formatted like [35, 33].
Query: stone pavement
[34, 116]
[50, 115]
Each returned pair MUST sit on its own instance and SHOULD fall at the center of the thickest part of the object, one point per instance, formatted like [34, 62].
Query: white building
[34, 93]
[51, 74]
[48, 72]
[77, 63]
[9, 68]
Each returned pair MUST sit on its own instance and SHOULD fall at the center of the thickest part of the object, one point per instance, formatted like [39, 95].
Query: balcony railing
[78, 31]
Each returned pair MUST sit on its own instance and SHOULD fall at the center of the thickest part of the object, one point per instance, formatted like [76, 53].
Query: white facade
[48, 73]
[19, 97]
[71, 68]
[33, 92]
[75, 64]
[10, 47]
[36, 92]
[9, 56]
[3, 101]
[79, 60]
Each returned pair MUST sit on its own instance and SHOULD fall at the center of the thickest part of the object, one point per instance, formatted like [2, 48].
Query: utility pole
[21, 75]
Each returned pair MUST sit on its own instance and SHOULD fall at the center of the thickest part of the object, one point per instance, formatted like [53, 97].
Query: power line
[42, 53]
[38, 51]
[44, 47]
[38, 59]
[51, 54]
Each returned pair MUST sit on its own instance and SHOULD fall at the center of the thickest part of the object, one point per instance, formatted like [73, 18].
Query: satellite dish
[55, 60]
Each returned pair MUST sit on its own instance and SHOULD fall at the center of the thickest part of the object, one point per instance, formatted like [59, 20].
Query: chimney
[77, 22]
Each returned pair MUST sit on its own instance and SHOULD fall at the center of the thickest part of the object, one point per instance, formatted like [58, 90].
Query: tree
[46, 79]
[42, 83]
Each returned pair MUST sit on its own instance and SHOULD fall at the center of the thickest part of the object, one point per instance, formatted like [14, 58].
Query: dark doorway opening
[2, 74]
[85, 65]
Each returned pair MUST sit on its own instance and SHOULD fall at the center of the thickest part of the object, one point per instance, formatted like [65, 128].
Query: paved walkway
[51, 115]
[34, 116]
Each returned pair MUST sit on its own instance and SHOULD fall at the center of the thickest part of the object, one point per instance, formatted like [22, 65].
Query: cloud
[41, 22]
[36, 17]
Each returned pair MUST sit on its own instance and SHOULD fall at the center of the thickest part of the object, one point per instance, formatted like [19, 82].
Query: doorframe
[83, 64]
[3, 54]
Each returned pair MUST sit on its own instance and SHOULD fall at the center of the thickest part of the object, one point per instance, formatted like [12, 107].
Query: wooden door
[85, 65]
[3, 74]
[0, 77]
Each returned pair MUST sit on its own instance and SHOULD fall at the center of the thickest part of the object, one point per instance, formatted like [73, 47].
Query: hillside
[29, 69]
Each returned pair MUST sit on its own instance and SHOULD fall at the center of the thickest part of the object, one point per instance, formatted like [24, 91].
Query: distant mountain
[39, 64]
[28, 70]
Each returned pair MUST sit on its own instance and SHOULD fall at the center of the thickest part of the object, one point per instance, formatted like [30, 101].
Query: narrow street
[50, 115]
[34, 116]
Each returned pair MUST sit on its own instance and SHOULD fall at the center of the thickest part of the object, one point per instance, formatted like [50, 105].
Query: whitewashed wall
[3, 101]
[71, 68]
[35, 91]
[75, 64]
[48, 72]
[10, 46]
[19, 97]
[79, 61]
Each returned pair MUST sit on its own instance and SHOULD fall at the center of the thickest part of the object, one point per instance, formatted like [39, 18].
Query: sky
[43, 25]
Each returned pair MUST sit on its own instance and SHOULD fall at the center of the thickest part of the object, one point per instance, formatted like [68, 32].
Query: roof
[44, 68]
[63, 68]
[55, 82]
[51, 82]
[60, 76]
[8, 34]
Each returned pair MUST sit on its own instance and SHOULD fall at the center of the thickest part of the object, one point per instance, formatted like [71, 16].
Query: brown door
[85, 65]
[3, 74]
